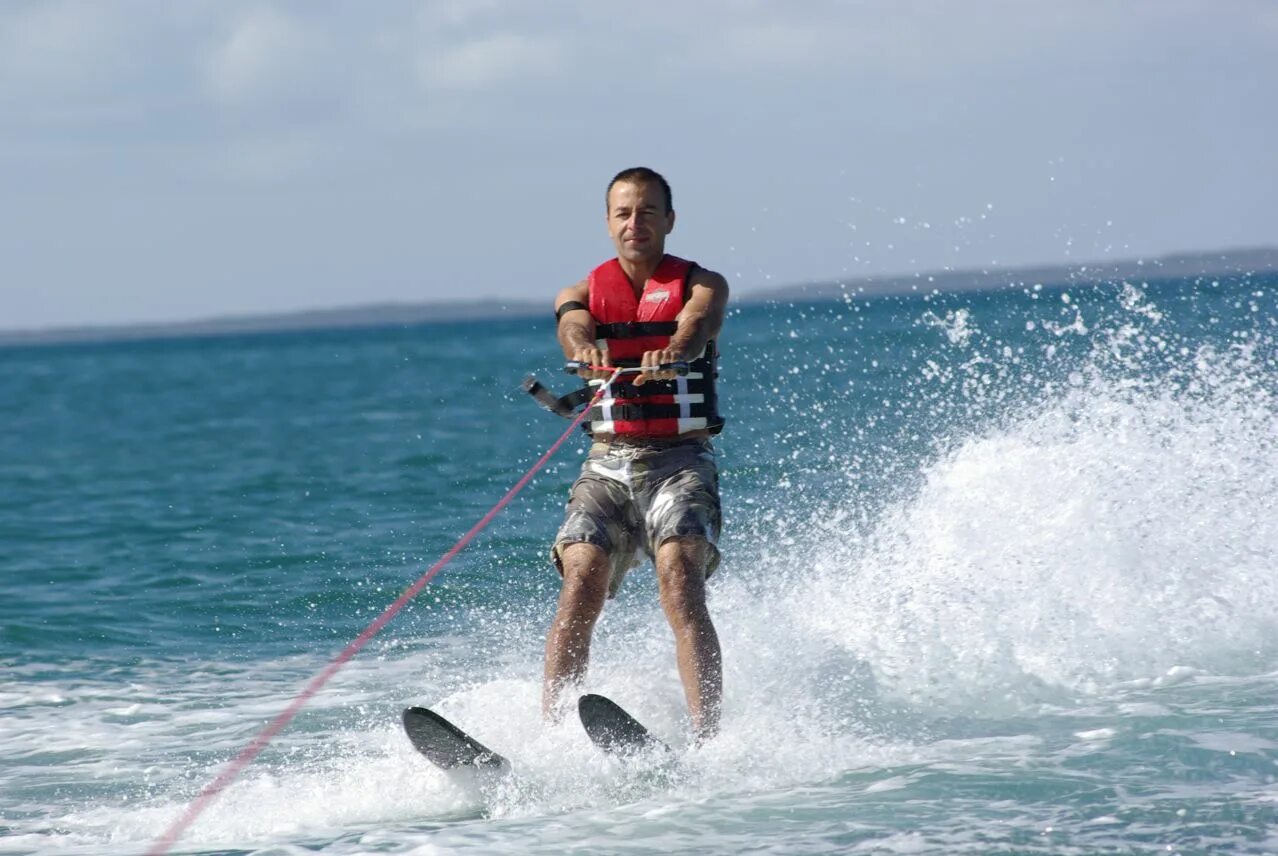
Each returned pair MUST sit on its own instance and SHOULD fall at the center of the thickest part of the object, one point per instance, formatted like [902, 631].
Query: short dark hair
[641, 175]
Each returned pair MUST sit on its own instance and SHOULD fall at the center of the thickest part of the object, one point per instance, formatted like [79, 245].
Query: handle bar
[679, 367]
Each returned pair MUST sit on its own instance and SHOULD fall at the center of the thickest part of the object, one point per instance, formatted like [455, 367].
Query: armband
[569, 306]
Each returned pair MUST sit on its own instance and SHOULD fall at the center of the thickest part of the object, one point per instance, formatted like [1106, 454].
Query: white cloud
[56, 47]
[489, 61]
[891, 40]
[264, 56]
[789, 44]
[898, 104]
[451, 13]
[273, 158]
[1267, 19]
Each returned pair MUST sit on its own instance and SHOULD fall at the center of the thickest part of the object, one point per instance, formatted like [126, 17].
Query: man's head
[640, 214]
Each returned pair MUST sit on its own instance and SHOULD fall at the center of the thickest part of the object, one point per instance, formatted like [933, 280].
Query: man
[649, 483]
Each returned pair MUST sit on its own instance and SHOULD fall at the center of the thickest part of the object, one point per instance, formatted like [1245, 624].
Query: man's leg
[587, 572]
[681, 581]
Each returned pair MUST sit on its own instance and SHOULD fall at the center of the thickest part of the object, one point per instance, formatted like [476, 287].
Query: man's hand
[592, 356]
[577, 331]
[652, 359]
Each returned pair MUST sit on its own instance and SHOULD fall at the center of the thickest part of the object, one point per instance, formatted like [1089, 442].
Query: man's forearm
[690, 337]
[574, 337]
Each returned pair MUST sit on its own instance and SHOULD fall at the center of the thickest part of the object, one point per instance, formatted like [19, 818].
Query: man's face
[638, 221]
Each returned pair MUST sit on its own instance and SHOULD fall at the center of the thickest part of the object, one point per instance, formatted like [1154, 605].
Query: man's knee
[683, 556]
[681, 574]
[580, 557]
[584, 567]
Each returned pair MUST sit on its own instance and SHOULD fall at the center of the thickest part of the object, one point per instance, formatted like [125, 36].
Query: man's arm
[576, 330]
[699, 321]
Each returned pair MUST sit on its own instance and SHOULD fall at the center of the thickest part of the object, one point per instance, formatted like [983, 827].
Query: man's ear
[670, 228]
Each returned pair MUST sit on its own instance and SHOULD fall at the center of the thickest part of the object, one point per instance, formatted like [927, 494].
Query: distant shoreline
[1226, 262]
[1179, 265]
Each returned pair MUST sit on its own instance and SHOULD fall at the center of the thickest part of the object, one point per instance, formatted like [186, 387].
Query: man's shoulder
[709, 278]
[703, 280]
[578, 293]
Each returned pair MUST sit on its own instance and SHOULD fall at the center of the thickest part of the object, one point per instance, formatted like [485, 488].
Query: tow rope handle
[566, 405]
[560, 405]
[679, 367]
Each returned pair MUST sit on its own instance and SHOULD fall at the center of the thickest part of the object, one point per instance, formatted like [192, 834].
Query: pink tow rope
[211, 791]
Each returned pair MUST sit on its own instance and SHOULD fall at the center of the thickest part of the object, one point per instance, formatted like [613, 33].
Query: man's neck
[639, 272]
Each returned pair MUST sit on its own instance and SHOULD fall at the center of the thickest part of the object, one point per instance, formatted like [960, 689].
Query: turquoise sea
[998, 577]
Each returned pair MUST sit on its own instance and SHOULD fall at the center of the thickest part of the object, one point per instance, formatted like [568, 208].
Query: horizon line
[374, 314]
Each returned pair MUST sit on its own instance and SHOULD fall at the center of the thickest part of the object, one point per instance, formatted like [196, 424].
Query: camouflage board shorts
[630, 499]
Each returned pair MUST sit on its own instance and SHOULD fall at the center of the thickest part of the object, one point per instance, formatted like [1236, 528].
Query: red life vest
[628, 326]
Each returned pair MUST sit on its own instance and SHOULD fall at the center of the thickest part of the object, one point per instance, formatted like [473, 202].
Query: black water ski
[615, 731]
[446, 745]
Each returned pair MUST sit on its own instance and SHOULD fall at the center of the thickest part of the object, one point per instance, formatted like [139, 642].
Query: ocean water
[998, 577]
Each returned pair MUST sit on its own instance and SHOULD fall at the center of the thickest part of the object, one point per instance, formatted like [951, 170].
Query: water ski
[446, 745]
[613, 730]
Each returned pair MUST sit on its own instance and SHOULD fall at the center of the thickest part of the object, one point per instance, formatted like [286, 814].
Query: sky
[164, 161]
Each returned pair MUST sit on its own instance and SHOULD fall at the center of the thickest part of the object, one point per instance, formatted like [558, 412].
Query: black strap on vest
[568, 405]
[706, 366]
[636, 412]
[635, 329]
